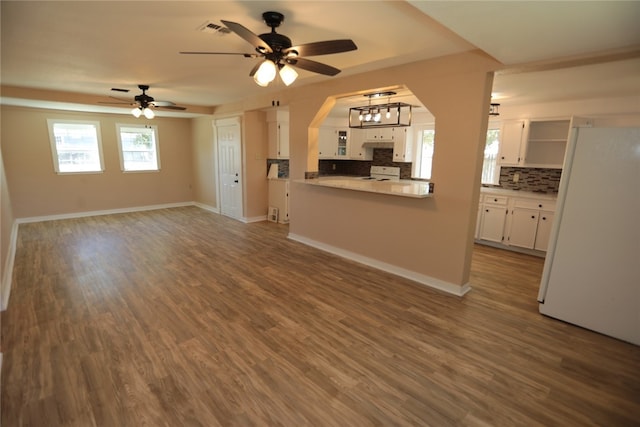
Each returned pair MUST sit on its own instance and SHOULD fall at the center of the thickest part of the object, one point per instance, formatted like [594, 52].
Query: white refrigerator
[591, 275]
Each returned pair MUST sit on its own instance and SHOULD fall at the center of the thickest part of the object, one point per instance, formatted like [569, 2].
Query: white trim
[7, 277]
[450, 288]
[207, 207]
[253, 219]
[103, 212]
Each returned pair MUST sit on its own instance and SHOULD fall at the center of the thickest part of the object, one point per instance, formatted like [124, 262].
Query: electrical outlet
[516, 177]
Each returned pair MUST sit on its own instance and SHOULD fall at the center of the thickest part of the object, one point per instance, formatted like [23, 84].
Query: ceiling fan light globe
[288, 75]
[266, 73]
[136, 112]
[148, 113]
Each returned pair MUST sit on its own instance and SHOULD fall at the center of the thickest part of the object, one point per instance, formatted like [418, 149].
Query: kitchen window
[490, 167]
[424, 155]
[138, 148]
[75, 146]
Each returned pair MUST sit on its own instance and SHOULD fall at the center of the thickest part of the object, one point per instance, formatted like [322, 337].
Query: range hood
[377, 144]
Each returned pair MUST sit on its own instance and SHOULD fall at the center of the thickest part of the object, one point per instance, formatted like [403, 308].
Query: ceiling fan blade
[322, 48]
[162, 103]
[171, 107]
[248, 36]
[246, 55]
[115, 103]
[309, 65]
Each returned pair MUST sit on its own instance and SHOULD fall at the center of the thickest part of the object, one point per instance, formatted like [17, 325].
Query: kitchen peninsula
[404, 188]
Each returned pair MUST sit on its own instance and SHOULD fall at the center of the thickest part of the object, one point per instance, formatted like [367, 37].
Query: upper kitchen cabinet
[546, 143]
[333, 143]
[402, 144]
[278, 129]
[513, 142]
[379, 134]
[356, 150]
[534, 144]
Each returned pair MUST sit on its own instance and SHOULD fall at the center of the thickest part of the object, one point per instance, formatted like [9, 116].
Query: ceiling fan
[143, 103]
[279, 54]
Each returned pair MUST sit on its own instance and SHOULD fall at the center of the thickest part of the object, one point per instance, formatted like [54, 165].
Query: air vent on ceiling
[213, 28]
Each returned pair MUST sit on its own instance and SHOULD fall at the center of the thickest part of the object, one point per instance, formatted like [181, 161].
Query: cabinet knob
[533, 217]
[544, 218]
[539, 206]
[495, 200]
[486, 210]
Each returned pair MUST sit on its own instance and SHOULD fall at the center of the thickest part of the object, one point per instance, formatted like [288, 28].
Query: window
[424, 157]
[138, 148]
[490, 168]
[75, 146]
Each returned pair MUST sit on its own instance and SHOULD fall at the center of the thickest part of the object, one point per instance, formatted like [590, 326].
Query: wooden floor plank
[184, 317]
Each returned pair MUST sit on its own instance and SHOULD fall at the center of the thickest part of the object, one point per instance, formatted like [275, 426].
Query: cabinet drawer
[547, 205]
[495, 200]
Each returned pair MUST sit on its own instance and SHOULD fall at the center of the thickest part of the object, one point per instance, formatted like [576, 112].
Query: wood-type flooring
[182, 317]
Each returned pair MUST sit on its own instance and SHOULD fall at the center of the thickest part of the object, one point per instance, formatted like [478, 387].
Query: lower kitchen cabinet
[515, 222]
[522, 231]
[530, 223]
[493, 212]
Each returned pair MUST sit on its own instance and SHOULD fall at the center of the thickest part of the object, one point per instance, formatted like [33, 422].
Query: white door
[230, 168]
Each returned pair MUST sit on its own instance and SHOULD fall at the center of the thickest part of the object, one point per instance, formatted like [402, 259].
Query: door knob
[236, 181]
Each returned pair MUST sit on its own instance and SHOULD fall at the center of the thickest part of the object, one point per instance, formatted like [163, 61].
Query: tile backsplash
[538, 180]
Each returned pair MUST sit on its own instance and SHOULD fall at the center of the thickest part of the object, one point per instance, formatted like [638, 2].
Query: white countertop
[518, 193]
[404, 187]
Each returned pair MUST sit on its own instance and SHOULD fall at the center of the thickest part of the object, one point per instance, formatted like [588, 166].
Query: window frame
[418, 156]
[154, 129]
[54, 146]
[495, 178]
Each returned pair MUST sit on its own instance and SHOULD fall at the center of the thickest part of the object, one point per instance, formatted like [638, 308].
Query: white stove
[383, 173]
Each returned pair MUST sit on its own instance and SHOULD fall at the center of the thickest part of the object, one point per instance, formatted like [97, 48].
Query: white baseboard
[102, 212]
[450, 288]
[207, 207]
[254, 219]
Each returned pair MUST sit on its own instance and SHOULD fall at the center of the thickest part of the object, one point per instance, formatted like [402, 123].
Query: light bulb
[136, 112]
[360, 116]
[266, 73]
[148, 113]
[388, 115]
[377, 116]
[367, 117]
[288, 74]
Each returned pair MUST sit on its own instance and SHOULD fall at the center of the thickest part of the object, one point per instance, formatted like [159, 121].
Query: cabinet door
[357, 151]
[512, 139]
[545, 221]
[327, 143]
[524, 223]
[492, 228]
[401, 145]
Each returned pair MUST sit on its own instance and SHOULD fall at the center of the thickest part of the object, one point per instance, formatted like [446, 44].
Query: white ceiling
[88, 47]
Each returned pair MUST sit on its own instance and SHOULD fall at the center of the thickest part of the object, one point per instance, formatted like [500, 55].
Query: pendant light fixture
[372, 115]
[138, 111]
[287, 74]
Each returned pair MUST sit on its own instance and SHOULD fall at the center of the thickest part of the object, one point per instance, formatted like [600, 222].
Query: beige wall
[205, 169]
[430, 238]
[37, 191]
[254, 164]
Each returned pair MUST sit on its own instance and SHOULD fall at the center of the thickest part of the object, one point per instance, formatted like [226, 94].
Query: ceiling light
[288, 74]
[148, 113]
[266, 73]
[136, 112]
